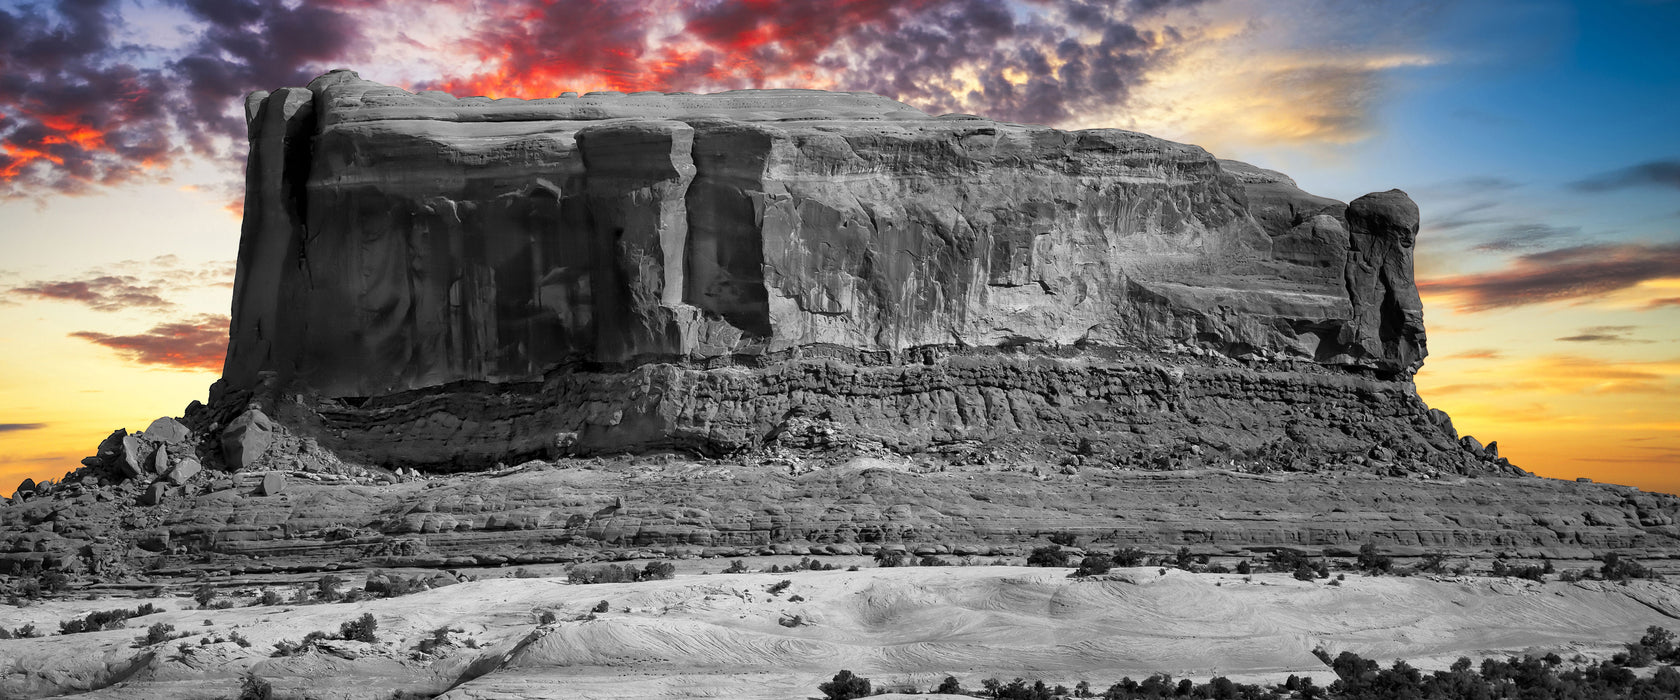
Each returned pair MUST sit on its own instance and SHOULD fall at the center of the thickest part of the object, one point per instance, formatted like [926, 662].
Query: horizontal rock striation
[453, 281]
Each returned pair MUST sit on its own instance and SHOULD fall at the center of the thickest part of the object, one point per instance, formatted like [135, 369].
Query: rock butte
[859, 325]
[440, 282]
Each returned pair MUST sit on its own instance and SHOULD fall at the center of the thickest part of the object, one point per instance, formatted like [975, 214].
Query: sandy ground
[726, 635]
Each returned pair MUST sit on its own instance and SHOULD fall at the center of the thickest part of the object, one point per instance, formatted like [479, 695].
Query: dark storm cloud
[1565, 274]
[197, 343]
[20, 427]
[1657, 173]
[79, 109]
[1031, 68]
[73, 112]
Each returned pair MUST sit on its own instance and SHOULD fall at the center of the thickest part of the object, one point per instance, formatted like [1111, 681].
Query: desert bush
[1182, 558]
[1372, 561]
[845, 686]
[602, 607]
[888, 559]
[204, 595]
[736, 567]
[779, 586]
[792, 621]
[621, 573]
[394, 586]
[104, 619]
[658, 571]
[932, 561]
[1128, 556]
[1245, 568]
[1093, 565]
[326, 587]
[1616, 568]
[252, 687]
[360, 629]
[1065, 539]
[1052, 555]
[950, 686]
[1530, 572]
[156, 634]
[1305, 573]
[1287, 560]
[1433, 561]
[269, 596]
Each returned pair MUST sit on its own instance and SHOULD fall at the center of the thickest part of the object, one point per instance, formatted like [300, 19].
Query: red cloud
[196, 344]
[1579, 272]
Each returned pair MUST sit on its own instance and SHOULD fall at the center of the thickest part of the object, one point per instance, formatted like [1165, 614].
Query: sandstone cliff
[450, 281]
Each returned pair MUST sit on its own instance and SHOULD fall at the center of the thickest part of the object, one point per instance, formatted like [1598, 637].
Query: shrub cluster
[361, 629]
[805, 564]
[622, 573]
[1357, 678]
[104, 619]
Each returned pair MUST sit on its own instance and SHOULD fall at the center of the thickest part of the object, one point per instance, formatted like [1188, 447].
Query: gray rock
[247, 438]
[155, 494]
[27, 487]
[159, 462]
[1473, 445]
[131, 460]
[168, 431]
[1492, 449]
[273, 483]
[185, 470]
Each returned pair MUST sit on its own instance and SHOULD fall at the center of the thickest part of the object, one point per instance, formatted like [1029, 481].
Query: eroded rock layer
[450, 281]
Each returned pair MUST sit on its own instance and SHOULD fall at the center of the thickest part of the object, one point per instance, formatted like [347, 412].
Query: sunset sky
[1541, 140]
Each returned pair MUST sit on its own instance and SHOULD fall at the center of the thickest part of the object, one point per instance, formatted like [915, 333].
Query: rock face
[445, 281]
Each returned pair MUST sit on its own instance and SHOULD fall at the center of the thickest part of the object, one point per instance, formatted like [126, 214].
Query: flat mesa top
[349, 98]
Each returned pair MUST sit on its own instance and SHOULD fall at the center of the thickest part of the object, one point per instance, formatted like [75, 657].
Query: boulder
[133, 458]
[25, 488]
[272, 484]
[168, 431]
[246, 438]
[184, 470]
[155, 494]
[159, 463]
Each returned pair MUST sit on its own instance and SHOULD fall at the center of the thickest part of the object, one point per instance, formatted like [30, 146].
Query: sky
[1541, 140]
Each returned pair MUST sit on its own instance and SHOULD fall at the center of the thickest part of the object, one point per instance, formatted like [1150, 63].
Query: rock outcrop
[441, 282]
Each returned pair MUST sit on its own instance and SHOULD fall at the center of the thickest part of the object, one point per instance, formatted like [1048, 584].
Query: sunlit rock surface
[456, 281]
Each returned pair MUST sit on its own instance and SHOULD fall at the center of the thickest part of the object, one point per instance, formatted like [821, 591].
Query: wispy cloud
[1605, 334]
[198, 343]
[130, 284]
[107, 293]
[1565, 274]
[1477, 354]
[1527, 236]
[19, 427]
[1655, 173]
